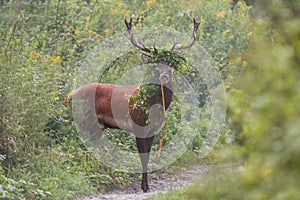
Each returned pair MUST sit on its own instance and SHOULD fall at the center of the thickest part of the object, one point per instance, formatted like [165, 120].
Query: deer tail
[67, 98]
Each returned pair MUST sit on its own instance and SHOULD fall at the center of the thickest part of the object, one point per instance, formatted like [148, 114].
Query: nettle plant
[147, 89]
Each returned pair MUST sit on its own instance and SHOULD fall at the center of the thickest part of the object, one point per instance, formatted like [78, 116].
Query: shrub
[267, 113]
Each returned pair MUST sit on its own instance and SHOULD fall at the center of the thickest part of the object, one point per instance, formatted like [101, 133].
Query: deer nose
[164, 78]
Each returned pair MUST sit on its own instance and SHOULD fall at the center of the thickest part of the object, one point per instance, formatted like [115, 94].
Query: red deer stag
[111, 114]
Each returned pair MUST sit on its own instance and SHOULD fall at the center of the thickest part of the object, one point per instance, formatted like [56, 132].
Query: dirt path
[158, 182]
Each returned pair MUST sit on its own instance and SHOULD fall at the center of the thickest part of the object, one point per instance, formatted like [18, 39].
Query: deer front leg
[144, 147]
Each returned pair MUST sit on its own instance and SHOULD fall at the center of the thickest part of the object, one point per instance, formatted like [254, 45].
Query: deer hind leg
[144, 147]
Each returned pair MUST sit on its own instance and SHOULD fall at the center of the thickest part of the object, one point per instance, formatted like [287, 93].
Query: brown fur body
[112, 103]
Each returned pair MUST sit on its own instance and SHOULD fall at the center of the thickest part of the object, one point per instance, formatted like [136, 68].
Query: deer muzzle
[164, 78]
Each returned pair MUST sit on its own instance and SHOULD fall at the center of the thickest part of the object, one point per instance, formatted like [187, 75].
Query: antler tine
[154, 48]
[194, 34]
[174, 44]
[132, 39]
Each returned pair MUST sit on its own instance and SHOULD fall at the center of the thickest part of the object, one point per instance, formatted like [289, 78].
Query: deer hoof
[145, 188]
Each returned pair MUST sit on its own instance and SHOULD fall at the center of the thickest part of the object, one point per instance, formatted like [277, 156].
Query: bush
[268, 99]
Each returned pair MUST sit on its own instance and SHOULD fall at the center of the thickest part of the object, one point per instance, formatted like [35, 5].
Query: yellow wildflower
[35, 54]
[226, 31]
[220, 14]
[88, 19]
[90, 32]
[202, 20]
[107, 31]
[56, 59]
[96, 36]
[149, 2]
[250, 33]
[77, 32]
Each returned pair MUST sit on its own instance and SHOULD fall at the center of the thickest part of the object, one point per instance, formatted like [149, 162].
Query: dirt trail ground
[158, 182]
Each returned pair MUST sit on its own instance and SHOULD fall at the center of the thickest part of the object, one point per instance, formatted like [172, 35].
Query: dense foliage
[43, 44]
[269, 111]
[265, 110]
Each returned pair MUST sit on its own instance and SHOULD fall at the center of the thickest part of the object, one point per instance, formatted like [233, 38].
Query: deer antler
[132, 39]
[194, 35]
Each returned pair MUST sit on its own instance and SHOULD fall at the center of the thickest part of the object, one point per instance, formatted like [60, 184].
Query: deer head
[152, 55]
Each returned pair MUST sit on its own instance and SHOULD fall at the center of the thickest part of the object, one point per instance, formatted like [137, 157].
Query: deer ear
[145, 57]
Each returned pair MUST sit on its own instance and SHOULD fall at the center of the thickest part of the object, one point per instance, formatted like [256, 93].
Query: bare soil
[160, 181]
